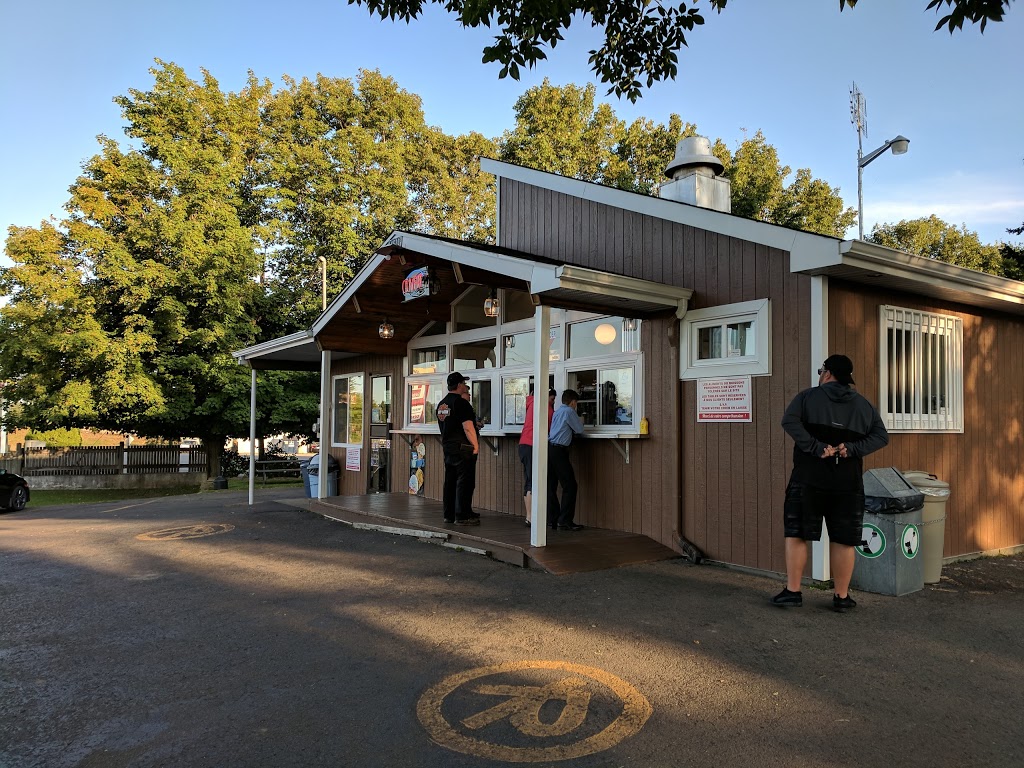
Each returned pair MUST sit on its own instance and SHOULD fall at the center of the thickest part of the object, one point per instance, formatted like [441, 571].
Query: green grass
[44, 498]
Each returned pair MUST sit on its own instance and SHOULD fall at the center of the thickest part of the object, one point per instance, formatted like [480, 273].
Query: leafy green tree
[455, 198]
[202, 236]
[934, 238]
[559, 129]
[760, 191]
[641, 38]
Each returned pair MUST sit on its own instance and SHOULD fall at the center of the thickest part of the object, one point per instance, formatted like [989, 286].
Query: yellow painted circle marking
[186, 532]
[584, 698]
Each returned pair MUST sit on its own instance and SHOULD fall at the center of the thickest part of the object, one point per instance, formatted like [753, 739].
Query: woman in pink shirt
[526, 451]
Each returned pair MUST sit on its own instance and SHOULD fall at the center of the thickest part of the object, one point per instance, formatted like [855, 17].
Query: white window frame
[921, 326]
[632, 360]
[334, 409]
[758, 312]
[560, 319]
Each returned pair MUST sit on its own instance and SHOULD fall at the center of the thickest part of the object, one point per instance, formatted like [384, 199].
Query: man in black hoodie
[833, 428]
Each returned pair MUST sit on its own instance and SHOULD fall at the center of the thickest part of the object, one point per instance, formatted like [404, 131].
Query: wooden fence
[105, 460]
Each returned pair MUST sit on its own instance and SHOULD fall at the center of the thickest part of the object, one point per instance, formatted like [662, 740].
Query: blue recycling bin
[312, 477]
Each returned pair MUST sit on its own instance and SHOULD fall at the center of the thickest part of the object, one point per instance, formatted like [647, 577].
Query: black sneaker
[449, 520]
[570, 527]
[843, 604]
[468, 521]
[788, 599]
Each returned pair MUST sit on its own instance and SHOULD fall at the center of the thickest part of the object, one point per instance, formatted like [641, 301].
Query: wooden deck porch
[503, 537]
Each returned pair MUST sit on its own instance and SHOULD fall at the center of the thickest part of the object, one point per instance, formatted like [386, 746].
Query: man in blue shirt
[564, 424]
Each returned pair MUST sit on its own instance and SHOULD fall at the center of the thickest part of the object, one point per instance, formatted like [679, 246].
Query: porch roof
[349, 324]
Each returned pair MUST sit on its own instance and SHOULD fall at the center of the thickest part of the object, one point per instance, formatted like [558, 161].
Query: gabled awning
[350, 323]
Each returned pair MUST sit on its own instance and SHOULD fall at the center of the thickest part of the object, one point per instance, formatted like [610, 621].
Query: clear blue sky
[784, 68]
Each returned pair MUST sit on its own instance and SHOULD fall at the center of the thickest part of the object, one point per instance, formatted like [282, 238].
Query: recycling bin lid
[886, 490]
[926, 482]
[332, 463]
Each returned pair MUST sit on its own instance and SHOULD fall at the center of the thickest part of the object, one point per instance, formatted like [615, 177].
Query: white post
[821, 569]
[252, 439]
[325, 420]
[3, 429]
[541, 352]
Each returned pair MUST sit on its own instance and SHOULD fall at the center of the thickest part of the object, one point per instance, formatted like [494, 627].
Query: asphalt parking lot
[197, 631]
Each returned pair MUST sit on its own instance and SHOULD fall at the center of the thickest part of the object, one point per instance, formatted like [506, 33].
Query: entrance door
[380, 434]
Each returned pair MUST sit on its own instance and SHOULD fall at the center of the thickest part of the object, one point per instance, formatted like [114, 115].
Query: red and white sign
[724, 399]
[418, 403]
[353, 458]
[416, 284]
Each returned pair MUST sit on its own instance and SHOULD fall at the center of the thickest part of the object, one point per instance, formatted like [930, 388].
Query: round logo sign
[872, 542]
[532, 711]
[911, 541]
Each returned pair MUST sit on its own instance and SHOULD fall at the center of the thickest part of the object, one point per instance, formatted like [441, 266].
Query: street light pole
[323, 281]
[899, 146]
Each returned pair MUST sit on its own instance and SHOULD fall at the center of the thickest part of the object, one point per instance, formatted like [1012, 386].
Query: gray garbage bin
[331, 478]
[888, 558]
[304, 471]
[933, 521]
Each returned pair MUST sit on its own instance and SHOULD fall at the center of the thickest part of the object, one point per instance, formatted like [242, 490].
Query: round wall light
[605, 333]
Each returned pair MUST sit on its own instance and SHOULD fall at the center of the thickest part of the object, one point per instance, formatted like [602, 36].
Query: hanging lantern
[386, 330]
[629, 324]
[491, 304]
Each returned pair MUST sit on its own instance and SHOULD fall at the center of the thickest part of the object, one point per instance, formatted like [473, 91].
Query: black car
[13, 491]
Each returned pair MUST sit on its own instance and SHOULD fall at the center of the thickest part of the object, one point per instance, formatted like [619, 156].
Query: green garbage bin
[933, 521]
[888, 558]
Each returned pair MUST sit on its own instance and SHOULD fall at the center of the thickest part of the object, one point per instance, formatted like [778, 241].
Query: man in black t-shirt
[457, 422]
[832, 428]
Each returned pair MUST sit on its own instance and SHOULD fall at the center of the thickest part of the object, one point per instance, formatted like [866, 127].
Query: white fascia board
[878, 259]
[350, 290]
[520, 269]
[274, 345]
[593, 281]
[728, 224]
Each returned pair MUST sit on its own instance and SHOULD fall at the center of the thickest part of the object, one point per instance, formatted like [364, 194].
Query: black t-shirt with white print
[452, 411]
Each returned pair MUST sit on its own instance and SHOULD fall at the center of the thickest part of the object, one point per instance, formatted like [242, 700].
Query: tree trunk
[214, 445]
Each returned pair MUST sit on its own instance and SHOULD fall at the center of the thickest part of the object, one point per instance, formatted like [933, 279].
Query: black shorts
[806, 507]
[526, 456]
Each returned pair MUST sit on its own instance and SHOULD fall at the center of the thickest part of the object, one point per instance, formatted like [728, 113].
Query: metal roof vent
[694, 174]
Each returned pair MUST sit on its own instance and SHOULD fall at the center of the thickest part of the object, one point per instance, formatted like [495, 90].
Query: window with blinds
[921, 386]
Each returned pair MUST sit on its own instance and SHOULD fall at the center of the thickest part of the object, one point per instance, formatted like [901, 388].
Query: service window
[480, 394]
[606, 396]
[514, 390]
[348, 410]
[422, 398]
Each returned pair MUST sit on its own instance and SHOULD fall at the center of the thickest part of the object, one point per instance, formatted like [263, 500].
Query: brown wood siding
[982, 465]
[728, 480]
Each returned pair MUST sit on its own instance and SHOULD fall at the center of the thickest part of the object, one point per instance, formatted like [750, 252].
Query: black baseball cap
[454, 379]
[841, 367]
[552, 393]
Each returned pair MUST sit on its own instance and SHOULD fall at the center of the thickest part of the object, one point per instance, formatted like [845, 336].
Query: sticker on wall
[872, 542]
[417, 465]
[911, 542]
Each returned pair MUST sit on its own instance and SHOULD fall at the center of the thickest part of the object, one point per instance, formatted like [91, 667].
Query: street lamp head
[900, 145]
